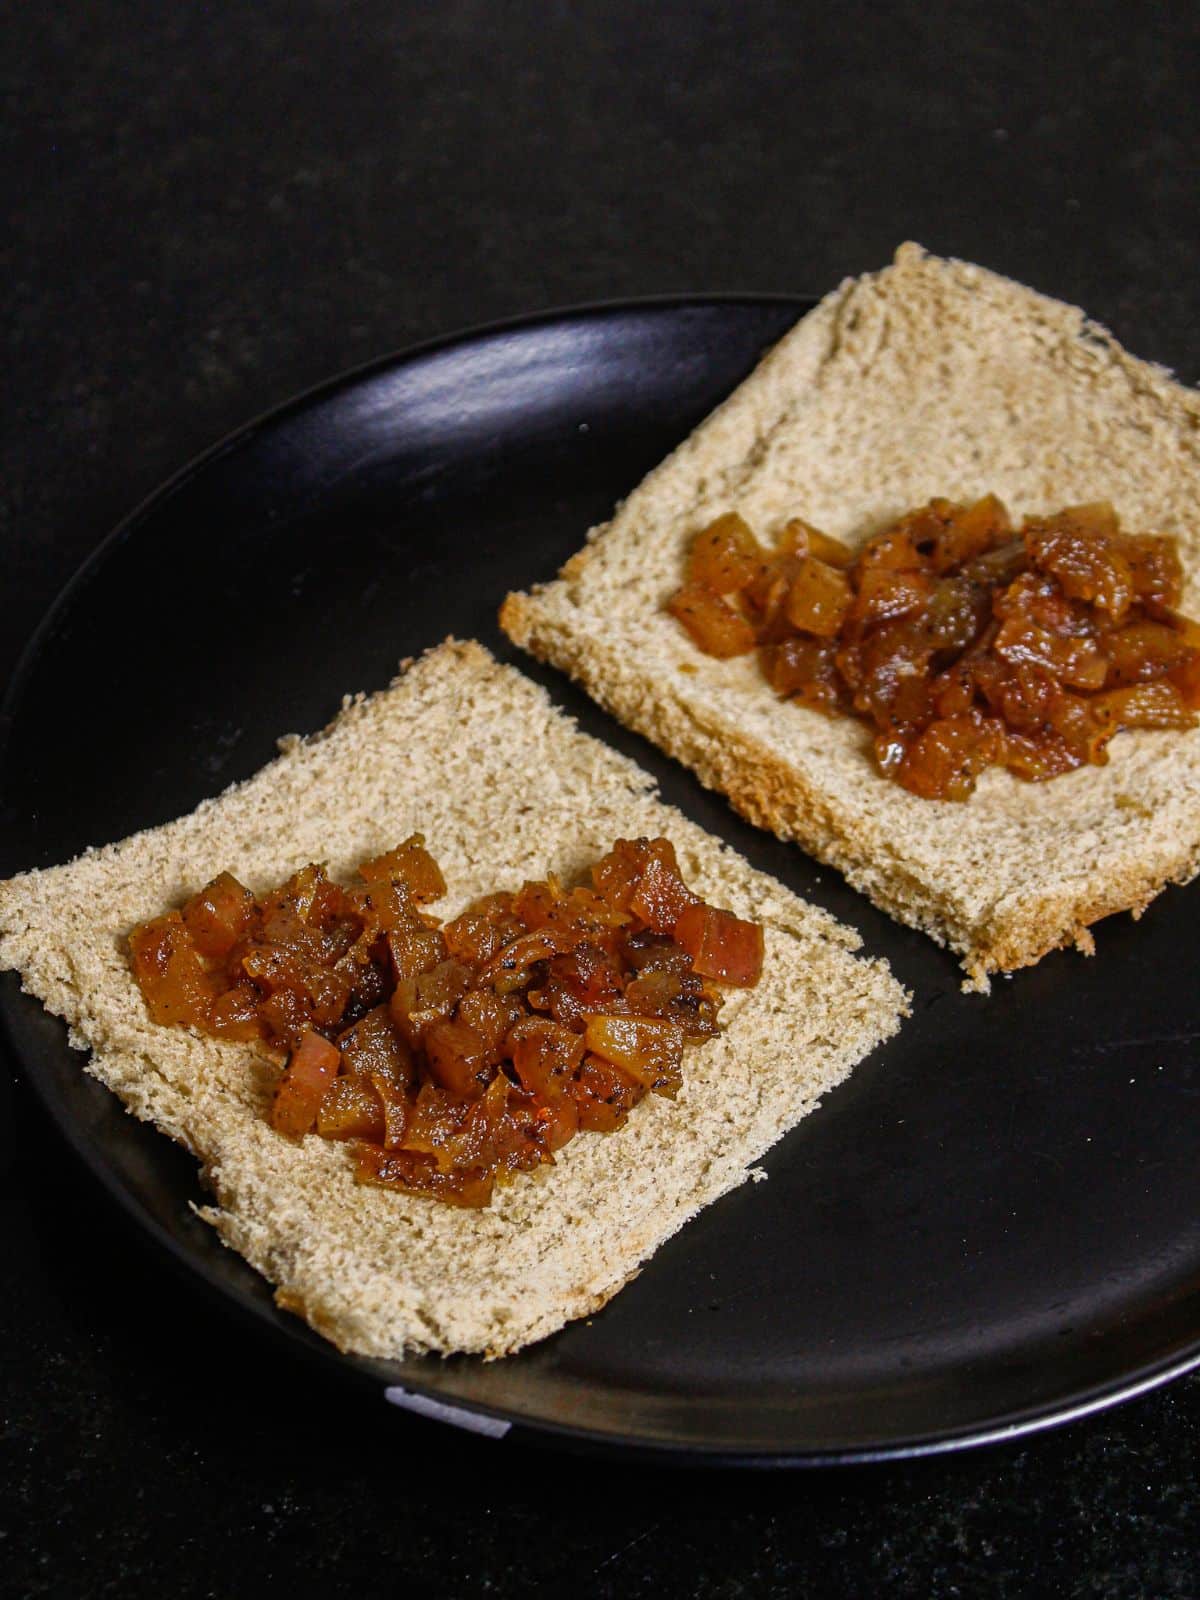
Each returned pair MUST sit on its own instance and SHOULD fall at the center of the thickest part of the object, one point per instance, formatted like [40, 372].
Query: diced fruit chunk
[648, 1048]
[350, 1109]
[305, 1082]
[219, 915]
[724, 556]
[170, 972]
[818, 599]
[713, 624]
[410, 864]
[721, 945]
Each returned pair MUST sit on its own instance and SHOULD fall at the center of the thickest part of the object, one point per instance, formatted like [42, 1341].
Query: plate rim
[304, 1342]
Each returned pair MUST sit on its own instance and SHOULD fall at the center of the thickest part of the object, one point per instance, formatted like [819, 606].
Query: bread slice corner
[931, 377]
[475, 756]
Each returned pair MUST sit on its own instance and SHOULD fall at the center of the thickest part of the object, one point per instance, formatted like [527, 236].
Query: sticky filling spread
[961, 641]
[455, 1054]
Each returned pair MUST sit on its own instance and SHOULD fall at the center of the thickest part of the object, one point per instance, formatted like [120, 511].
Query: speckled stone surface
[211, 207]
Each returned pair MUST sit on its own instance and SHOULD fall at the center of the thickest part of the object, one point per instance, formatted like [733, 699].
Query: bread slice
[505, 788]
[931, 377]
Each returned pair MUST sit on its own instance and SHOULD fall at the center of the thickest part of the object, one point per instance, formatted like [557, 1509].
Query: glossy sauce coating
[962, 642]
[454, 1054]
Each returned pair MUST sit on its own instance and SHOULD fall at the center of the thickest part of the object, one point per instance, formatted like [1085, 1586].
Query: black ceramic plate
[994, 1225]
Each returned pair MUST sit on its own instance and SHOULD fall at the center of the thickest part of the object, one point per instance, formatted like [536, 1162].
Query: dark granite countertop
[211, 207]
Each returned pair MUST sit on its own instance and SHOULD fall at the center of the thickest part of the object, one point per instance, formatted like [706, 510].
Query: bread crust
[931, 377]
[505, 787]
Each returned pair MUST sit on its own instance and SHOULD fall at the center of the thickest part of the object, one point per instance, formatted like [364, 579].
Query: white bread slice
[931, 377]
[505, 788]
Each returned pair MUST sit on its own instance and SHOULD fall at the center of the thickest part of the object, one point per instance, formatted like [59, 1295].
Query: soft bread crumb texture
[932, 377]
[504, 787]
